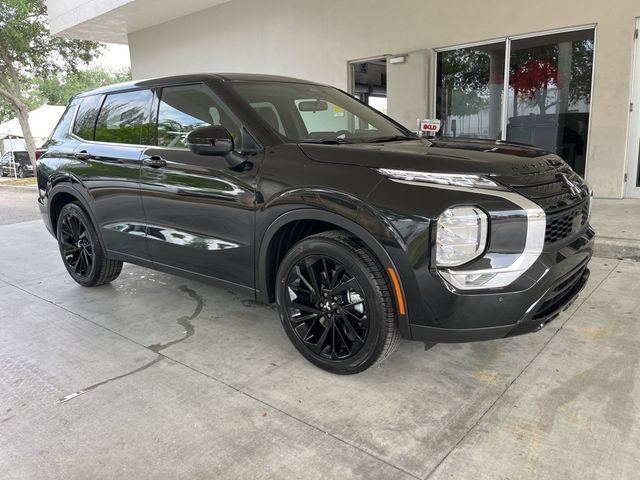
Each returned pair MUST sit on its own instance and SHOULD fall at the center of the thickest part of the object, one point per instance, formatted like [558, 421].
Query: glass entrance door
[533, 89]
[550, 94]
[633, 168]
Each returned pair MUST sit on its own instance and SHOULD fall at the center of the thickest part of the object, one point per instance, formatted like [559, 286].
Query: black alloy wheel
[77, 247]
[81, 250]
[335, 303]
[326, 307]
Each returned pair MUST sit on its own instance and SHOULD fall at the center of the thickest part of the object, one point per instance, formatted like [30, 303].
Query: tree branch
[15, 100]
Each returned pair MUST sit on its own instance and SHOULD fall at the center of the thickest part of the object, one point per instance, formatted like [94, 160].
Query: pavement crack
[109, 380]
[184, 321]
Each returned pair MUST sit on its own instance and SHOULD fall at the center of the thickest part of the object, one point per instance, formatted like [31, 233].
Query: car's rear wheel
[82, 253]
[335, 303]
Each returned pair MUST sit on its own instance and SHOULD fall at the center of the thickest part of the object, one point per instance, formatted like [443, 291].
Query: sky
[115, 57]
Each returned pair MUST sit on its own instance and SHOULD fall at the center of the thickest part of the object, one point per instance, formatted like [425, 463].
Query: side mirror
[210, 140]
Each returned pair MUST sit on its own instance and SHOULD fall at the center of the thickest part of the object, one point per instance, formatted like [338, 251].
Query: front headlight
[451, 179]
[461, 237]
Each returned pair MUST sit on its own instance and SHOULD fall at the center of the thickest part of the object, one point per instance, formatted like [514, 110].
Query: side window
[86, 117]
[122, 117]
[63, 129]
[185, 108]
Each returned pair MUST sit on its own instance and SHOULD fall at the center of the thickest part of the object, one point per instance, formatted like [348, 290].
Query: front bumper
[455, 316]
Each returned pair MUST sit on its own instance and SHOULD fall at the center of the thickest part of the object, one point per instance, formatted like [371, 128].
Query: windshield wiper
[392, 138]
[327, 141]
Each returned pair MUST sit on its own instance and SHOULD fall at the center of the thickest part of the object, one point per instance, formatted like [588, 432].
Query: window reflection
[550, 93]
[549, 97]
[122, 117]
[469, 91]
[185, 108]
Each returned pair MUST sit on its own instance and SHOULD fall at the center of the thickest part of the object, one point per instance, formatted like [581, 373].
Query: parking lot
[155, 376]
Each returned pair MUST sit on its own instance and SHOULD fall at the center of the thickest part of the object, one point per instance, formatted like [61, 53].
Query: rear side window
[122, 118]
[86, 117]
[63, 128]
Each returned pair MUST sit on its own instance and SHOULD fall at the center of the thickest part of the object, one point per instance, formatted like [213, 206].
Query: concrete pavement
[155, 376]
[617, 223]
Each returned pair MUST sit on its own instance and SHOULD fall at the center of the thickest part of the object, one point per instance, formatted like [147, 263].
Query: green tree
[58, 89]
[28, 51]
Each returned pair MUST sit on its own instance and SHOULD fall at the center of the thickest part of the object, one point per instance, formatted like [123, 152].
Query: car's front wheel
[81, 250]
[335, 303]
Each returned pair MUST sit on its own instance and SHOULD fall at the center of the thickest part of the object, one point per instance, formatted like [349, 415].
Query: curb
[619, 248]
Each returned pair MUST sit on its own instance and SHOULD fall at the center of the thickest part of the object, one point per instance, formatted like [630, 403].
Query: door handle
[83, 155]
[154, 161]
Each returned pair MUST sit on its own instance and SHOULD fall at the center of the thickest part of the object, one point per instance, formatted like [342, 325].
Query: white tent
[42, 121]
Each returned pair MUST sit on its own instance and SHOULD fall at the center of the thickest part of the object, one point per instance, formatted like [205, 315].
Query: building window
[548, 101]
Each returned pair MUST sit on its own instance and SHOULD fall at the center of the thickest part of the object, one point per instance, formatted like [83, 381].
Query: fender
[375, 245]
[64, 182]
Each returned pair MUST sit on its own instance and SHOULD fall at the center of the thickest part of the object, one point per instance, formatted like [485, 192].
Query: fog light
[461, 237]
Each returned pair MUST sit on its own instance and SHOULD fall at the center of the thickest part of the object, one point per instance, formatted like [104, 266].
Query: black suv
[297, 193]
[16, 163]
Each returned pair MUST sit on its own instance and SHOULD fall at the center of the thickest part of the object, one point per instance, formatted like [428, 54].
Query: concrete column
[496, 85]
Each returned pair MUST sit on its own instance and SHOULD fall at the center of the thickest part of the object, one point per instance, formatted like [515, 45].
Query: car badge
[575, 189]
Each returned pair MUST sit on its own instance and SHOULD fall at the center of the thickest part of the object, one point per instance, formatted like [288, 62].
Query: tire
[335, 303]
[81, 250]
[1, 172]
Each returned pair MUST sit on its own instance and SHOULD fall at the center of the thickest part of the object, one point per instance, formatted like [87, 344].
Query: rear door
[108, 164]
[200, 214]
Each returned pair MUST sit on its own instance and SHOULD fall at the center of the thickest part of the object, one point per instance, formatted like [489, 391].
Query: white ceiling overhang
[112, 20]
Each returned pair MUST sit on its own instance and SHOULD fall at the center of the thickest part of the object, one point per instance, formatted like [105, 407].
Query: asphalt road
[18, 205]
[155, 376]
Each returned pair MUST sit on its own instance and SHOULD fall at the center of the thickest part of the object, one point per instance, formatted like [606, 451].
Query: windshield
[317, 114]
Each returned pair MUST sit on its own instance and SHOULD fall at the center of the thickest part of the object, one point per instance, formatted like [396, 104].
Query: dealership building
[562, 75]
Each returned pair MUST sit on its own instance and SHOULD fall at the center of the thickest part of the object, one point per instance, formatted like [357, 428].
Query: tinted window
[21, 157]
[122, 117]
[185, 108]
[64, 124]
[86, 117]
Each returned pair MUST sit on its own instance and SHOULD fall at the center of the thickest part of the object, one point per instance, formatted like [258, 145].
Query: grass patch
[21, 182]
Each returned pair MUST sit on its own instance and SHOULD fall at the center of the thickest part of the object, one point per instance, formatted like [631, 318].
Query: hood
[447, 155]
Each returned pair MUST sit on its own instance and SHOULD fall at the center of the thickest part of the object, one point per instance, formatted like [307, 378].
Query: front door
[633, 168]
[200, 214]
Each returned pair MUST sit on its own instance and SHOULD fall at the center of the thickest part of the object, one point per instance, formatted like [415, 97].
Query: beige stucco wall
[314, 40]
